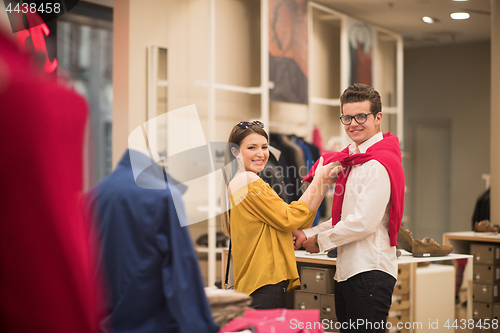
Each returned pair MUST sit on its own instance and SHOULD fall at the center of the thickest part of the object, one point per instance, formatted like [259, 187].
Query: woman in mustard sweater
[260, 223]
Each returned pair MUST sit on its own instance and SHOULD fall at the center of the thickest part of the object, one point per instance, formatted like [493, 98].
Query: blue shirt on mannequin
[152, 270]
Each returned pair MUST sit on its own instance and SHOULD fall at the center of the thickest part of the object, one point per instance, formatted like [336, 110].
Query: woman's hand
[298, 238]
[324, 177]
[327, 174]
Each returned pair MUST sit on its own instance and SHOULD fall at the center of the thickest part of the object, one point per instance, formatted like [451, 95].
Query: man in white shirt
[366, 225]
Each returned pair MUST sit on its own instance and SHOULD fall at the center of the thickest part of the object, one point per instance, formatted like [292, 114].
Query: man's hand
[327, 174]
[310, 245]
[298, 238]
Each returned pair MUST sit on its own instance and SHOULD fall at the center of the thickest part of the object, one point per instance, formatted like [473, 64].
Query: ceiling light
[460, 0]
[428, 19]
[460, 16]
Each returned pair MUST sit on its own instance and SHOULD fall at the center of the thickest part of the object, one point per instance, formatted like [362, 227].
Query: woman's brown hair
[239, 132]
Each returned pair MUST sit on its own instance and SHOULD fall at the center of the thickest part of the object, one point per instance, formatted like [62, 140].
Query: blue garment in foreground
[154, 281]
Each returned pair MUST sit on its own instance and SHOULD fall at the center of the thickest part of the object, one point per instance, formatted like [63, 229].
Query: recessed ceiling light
[460, 0]
[428, 19]
[460, 16]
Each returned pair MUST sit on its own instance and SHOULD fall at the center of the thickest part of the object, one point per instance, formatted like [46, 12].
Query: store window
[85, 56]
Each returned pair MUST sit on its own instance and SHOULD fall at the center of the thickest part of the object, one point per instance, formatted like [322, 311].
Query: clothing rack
[299, 154]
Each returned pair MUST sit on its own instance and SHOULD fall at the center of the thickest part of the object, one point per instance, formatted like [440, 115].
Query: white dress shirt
[362, 234]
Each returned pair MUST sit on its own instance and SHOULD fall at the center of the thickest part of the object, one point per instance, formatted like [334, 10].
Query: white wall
[183, 28]
[325, 73]
[452, 83]
[136, 25]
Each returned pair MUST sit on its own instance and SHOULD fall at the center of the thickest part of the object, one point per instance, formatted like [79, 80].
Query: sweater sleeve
[370, 206]
[264, 203]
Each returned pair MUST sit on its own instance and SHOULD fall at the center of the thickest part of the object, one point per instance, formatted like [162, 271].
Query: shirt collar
[367, 144]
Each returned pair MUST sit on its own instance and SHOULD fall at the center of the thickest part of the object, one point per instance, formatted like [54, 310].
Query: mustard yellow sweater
[261, 236]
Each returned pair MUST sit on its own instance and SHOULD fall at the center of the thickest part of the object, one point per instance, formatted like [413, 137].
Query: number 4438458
[25, 8]
[471, 324]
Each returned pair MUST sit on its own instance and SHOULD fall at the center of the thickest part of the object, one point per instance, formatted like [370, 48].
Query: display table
[461, 240]
[303, 257]
[321, 258]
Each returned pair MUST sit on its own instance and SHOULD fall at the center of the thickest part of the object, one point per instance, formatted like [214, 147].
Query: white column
[495, 112]
[264, 60]
[211, 138]
[121, 89]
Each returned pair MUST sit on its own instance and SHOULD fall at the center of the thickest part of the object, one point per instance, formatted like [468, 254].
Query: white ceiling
[405, 17]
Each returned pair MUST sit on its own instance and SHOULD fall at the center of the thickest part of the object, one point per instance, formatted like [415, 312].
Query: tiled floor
[461, 312]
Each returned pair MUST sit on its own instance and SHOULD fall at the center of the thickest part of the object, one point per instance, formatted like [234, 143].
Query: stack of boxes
[316, 292]
[400, 307]
[486, 285]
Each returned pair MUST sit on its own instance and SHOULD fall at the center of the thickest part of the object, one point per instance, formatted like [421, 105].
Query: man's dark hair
[359, 92]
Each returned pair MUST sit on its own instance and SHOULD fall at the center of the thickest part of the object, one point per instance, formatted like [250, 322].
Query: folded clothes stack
[226, 304]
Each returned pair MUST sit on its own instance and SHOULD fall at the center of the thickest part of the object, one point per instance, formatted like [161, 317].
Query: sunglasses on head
[247, 124]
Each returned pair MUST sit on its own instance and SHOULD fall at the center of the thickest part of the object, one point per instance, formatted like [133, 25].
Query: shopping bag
[277, 320]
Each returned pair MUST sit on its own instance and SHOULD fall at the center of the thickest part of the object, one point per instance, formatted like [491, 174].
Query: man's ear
[235, 151]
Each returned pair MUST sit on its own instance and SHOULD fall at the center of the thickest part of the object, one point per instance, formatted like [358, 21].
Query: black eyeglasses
[360, 118]
[247, 124]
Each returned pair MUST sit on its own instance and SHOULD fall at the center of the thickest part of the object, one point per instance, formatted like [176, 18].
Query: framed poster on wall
[288, 51]
[361, 41]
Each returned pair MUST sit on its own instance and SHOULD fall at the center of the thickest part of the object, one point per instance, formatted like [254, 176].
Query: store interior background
[447, 96]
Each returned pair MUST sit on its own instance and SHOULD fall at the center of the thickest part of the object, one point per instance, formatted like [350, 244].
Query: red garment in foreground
[47, 270]
[280, 320]
[388, 153]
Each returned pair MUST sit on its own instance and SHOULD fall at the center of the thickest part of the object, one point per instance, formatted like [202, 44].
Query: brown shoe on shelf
[484, 226]
[405, 240]
[427, 247]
